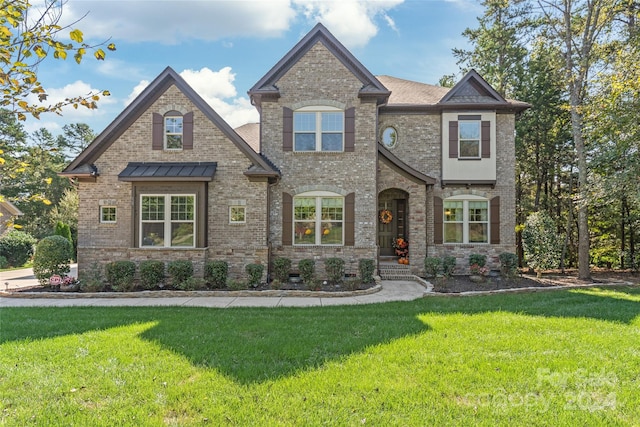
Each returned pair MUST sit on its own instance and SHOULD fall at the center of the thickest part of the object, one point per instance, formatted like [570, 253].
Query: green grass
[553, 358]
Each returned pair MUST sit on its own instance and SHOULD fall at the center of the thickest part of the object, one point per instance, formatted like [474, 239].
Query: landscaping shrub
[17, 247]
[478, 259]
[254, 271]
[432, 266]
[367, 268]
[52, 256]
[191, 284]
[307, 269]
[448, 265]
[237, 285]
[151, 273]
[542, 244]
[353, 283]
[334, 267]
[92, 280]
[180, 271]
[215, 273]
[281, 269]
[121, 275]
[508, 264]
[3, 262]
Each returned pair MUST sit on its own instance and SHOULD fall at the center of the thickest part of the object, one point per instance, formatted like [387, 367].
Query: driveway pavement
[391, 290]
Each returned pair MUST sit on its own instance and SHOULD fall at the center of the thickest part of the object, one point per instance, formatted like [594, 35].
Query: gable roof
[79, 166]
[266, 86]
[413, 174]
[407, 92]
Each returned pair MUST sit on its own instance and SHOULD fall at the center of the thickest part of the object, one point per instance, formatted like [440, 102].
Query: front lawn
[551, 358]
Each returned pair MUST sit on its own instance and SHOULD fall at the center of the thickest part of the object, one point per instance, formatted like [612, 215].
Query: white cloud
[218, 90]
[172, 21]
[353, 22]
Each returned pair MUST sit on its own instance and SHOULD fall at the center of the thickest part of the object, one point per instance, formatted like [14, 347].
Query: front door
[388, 231]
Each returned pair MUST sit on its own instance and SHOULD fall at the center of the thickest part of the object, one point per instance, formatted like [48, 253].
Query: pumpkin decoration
[404, 261]
[386, 216]
[307, 231]
[326, 231]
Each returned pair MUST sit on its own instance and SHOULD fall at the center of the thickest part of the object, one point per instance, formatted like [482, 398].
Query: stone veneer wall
[242, 243]
[319, 78]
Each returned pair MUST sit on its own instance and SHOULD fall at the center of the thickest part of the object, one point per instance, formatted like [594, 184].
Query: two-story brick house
[336, 146]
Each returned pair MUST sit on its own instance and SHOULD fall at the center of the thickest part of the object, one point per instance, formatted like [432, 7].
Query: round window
[389, 137]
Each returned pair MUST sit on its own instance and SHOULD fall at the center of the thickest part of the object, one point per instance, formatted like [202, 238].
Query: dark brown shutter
[350, 219]
[349, 129]
[187, 131]
[494, 207]
[453, 139]
[486, 140]
[157, 140]
[287, 219]
[437, 220]
[287, 129]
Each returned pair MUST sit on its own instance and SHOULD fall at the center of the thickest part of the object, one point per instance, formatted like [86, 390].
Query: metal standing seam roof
[154, 171]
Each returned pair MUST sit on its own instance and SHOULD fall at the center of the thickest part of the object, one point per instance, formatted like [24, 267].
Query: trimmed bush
[478, 259]
[432, 266]
[281, 269]
[237, 285]
[121, 275]
[353, 283]
[192, 284]
[254, 271]
[92, 280]
[215, 273]
[367, 268]
[334, 267]
[307, 269]
[62, 229]
[508, 264]
[180, 271]
[151, 273]
[3, 262]
[448, 265]
[17, 247]
[52, 256]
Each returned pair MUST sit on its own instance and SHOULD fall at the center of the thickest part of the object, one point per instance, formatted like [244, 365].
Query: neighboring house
[8, 213]
[335, 146]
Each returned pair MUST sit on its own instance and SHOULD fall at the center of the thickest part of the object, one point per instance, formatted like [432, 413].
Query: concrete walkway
[391, 290]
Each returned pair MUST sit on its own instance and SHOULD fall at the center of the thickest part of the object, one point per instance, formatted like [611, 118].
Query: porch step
[395, 271]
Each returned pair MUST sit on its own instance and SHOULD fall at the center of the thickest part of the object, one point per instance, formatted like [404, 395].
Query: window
[167, 221]
[466, 221]
[107, 214]
[318, 130]
[469, 139]
[173, 132]
[318, 219]
[237, 214]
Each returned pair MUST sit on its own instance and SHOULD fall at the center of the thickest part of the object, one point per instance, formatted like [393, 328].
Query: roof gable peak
[266, 86]
[472, 89]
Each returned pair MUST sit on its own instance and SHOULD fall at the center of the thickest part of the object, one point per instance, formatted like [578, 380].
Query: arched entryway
[396, 203]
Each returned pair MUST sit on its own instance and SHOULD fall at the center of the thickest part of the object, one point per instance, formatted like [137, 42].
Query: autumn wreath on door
[386, 216]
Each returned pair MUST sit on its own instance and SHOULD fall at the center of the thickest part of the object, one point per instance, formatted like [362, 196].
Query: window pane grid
[152, 208]
[326, 230]
[173, 132]
[167, 215]
[318, 131]
[469, 137]
[466, 221]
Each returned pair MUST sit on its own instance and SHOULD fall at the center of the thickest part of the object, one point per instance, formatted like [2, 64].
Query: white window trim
[465, 219]
[318, 110]
[318, 195]
[244, 208]
[167, 221]
[102, 221]
[166, 134]
[479, 139]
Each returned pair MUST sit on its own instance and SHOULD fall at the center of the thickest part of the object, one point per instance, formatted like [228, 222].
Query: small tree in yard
[52, 256]
[542, 245]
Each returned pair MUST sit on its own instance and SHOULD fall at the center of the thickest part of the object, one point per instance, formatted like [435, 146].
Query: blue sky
[222, 48]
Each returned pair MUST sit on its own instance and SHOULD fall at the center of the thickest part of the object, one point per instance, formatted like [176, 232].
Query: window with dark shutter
[349, 129]
[495, 220]
[287, 129]
[287, 219]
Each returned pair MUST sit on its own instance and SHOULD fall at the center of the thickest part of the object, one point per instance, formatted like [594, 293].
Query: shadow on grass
[258, 344]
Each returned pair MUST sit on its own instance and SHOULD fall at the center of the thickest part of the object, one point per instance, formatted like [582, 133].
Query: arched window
[318, 218]
[172, 131]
